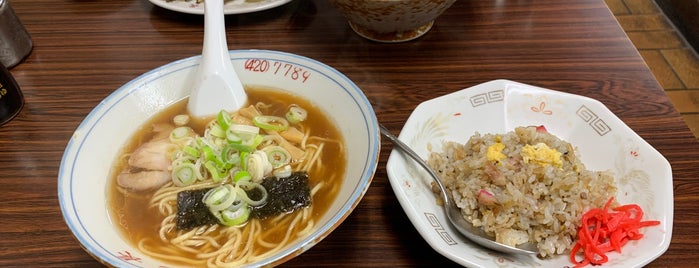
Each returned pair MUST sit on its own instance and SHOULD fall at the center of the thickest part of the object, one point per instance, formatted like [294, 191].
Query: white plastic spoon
[216, 86]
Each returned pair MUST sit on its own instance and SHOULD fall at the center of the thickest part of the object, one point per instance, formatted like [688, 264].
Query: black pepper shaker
[11, 98]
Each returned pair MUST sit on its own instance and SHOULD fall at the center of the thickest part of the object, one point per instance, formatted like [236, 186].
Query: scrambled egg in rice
[541, 154]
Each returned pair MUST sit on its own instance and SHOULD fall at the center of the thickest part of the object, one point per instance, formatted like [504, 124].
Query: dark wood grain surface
[85, 49]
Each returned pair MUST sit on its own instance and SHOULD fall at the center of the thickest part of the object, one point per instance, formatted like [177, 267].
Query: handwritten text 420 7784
[288, 70]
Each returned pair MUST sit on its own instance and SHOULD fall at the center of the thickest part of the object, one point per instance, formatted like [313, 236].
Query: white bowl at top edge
[229, 7]
[603, 141]
[86, 163]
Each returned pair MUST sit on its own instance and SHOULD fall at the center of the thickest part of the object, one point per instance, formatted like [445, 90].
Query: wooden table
[84, 50]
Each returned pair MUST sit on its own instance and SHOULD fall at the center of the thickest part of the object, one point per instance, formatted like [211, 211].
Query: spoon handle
[215, 50]
[406, 149]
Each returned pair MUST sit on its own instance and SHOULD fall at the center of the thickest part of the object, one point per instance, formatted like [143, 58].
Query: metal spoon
[216, 86]
[454, 213]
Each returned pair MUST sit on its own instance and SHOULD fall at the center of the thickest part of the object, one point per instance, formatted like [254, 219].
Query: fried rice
[526, 185]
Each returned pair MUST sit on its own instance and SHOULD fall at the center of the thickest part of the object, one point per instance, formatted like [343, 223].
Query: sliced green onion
[223, 119]
[241, 175]
[209, 154]
[220, 198]
[184, 174]
[198, 142]
[258, 165]
[246, 186]
[244, 129]
[198, 170]
[233, 137]
[216, 174]
[223, 167]
[190, 151]
[181, 119]
[254, 142]
[235, 217]
[296, 114]
[249, 144]
[238, 203]
[230, 155]
[277, 156]
[282, 172]
[243, 135]
[220, 142]
[244, 159]
[270, 122]
[180, 133]
[217, 131]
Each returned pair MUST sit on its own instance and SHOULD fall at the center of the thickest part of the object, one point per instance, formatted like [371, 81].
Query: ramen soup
[231, 190]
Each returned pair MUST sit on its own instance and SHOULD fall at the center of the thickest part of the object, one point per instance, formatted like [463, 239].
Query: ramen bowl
[391, 21]
[84, 176]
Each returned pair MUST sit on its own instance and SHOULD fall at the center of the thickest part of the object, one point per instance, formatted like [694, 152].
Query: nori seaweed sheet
[191, 210]
[284, 195]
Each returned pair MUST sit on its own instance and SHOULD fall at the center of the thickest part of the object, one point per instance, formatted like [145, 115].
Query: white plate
[604, 142]
[229, 6]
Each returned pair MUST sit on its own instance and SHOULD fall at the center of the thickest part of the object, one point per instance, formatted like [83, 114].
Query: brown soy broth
[136, 220]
